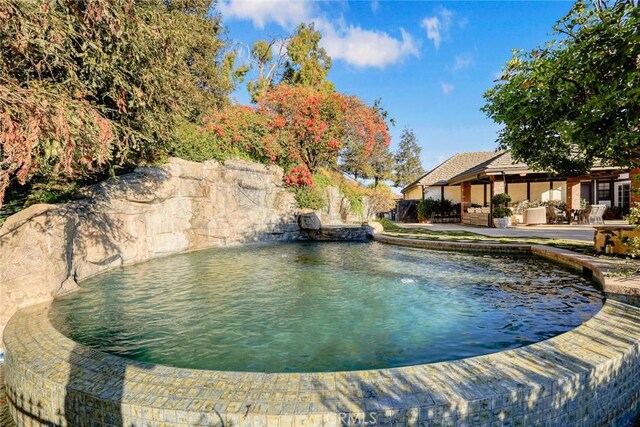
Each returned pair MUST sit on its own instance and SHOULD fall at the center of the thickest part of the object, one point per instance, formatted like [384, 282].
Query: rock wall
[182, 206]
[339, 211]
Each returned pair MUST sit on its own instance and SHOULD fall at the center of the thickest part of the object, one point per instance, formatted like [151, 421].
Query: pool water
[305, 307]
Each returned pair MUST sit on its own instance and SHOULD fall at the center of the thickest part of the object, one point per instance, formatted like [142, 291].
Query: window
[604, 191]
[624, 196]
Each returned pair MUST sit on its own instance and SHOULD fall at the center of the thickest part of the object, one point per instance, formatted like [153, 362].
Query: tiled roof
[453, 166]
[465, 166]
[505, 162]
[501, 162]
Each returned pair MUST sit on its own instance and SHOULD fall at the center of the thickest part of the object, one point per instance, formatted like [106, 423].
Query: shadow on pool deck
[5, 417]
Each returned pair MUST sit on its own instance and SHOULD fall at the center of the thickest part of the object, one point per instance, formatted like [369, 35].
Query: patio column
[634, 174]
[573, 195]
[465, 196]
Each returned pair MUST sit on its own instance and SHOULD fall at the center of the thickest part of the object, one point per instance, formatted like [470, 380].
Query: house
[473, 178]
[435, 183]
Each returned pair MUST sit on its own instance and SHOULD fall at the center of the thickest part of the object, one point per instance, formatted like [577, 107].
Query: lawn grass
[468, 236]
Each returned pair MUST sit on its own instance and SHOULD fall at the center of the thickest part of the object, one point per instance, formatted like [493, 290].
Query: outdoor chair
[592, 214]
[583, 216]
[555, 215]
[596, 213]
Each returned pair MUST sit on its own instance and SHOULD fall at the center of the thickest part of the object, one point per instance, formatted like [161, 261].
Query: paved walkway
[580, 232]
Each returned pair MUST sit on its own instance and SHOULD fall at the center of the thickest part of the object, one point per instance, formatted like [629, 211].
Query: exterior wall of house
[452, 192]
[432, 192]
[414, 193]
[561, 186]
[517, 191]
[477, 194]
[537, 189]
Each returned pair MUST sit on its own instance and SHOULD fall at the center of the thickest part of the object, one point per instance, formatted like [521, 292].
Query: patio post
[573, 195]
[499, 187]
[634, 174]
[465, 196]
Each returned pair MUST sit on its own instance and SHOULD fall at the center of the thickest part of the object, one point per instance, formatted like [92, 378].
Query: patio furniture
[535, 216]
[592, 214]
[555, 215]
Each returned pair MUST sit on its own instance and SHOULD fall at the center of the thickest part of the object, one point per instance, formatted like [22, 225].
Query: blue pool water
[303, 307]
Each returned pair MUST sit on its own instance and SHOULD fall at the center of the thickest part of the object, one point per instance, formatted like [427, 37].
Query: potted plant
[501, 212]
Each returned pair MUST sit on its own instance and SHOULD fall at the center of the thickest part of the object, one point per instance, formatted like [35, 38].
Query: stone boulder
[309, 221]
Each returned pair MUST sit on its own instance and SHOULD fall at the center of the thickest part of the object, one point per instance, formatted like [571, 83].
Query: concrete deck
[579, 232]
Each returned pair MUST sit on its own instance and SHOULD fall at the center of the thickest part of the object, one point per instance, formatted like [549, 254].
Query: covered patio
[543, 198]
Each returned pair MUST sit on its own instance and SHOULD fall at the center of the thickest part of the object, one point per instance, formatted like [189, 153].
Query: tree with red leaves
[312, 126]
[88, 84]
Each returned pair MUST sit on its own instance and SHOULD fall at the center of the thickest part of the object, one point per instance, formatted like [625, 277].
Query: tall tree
[307, 63]
[576, 99]
[268, 58]
[381, 162]
[408, 165]
[354, 160]
[84, 83]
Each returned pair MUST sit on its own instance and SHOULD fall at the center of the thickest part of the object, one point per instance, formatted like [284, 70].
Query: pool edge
[587, 376]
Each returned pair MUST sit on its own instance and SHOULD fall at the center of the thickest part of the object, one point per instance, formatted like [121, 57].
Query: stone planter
[614, 239]
[502, 222]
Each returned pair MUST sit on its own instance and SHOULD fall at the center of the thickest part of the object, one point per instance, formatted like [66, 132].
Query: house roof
[471, 165]
[441, 174]
[502, 162]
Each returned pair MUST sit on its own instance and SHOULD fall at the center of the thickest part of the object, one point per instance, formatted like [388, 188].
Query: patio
[577, 232]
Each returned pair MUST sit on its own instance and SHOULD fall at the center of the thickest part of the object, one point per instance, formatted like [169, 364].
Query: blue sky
[429, 61]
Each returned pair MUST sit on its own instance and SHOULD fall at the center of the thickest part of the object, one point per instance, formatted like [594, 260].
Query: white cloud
[354, 45]
[375, 6]
[447, 88]
[463, 61]
[287, 14]
[437, 26]
[366, 48]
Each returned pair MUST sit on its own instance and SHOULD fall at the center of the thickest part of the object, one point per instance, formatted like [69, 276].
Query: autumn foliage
[312, 126]
[89, 83]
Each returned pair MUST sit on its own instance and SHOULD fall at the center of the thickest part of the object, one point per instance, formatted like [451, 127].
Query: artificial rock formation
[155, 211]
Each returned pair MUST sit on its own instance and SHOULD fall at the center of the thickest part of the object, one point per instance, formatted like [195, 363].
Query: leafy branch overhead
[88, 84]
[575, 100]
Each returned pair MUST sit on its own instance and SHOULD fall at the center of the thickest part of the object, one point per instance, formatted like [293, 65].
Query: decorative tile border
[589, 376]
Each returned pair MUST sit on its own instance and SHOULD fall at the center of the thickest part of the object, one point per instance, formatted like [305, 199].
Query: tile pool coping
[587, 376]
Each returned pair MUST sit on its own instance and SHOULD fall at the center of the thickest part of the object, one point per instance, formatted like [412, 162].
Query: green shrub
[191, 142]
[502, 199]
[313, 198]
[427, 207]
[197, 144]
[502, 212]
[51, 194]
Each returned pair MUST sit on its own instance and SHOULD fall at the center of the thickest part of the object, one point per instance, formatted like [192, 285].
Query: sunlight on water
[323, 306]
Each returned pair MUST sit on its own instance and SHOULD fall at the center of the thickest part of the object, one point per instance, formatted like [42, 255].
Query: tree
[95, 82]
[268, 65]
[354, 160]
[364, 156]
[307, 64]
[576, 99]
[312, 125]
[381, 163]
[408, 165]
